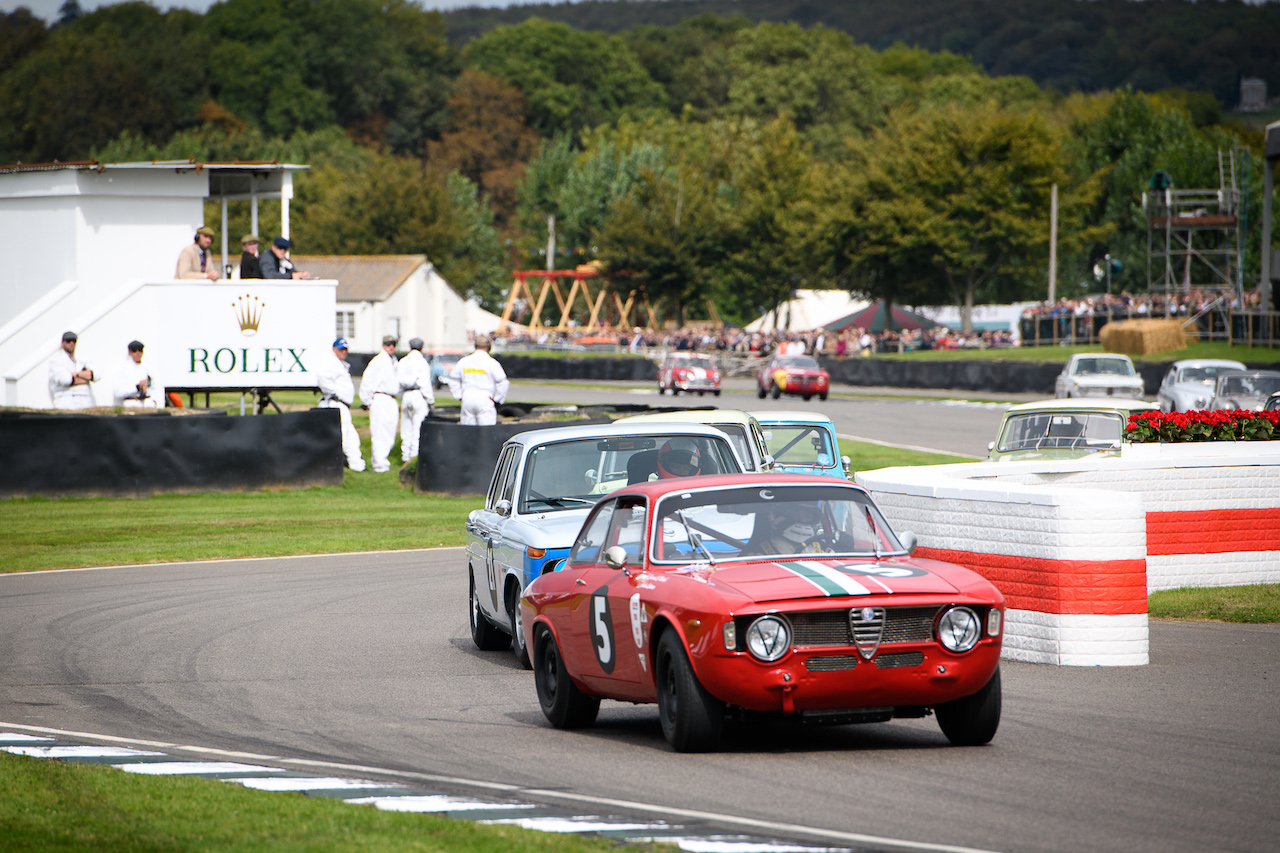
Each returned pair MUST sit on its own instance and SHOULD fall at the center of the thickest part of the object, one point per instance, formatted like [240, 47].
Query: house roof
[362, 278]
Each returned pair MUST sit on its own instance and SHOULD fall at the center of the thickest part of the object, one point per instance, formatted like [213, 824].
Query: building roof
[362, 278]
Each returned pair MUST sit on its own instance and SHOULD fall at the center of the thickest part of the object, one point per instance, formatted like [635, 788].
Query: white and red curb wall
[1075, 546]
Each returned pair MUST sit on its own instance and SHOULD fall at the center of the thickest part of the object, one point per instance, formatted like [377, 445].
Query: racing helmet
[795, 522]
[679, 457]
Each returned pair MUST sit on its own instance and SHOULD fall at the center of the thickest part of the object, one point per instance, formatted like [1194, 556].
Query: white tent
[809, 309]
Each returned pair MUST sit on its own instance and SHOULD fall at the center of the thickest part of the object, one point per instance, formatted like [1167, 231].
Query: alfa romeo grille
[831, 627]
[831, 663]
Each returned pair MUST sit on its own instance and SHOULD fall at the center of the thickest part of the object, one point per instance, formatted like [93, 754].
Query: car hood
[798, 579]
[1105, 380]
[548, 529]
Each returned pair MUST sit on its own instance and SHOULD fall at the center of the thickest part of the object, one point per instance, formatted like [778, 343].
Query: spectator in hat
[337, 392]
[276, 264]
[196, 260]
[378, 389]
[69, 377]
[416, 398]
[249, 264]
[134, 388]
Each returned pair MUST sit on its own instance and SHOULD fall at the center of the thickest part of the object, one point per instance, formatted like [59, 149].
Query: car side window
[587, 549]
[628, 527]
[499, 477]
[507, 490]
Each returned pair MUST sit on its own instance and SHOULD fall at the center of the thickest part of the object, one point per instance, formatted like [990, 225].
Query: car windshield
[569, 474]
[1107, 366]
[1249, 386]
[801, 362]
[800, 444]
[447, 358]
[754, 522]
[1201, 374]
[1061, 431]
[695, 361]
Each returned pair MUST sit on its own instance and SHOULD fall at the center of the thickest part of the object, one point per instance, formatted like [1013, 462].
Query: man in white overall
[337, 392]
[479, 381]
[69, 377]
[378, 389]
[416, 398]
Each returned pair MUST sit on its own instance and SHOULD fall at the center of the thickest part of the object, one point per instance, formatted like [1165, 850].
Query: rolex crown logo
[248, 310]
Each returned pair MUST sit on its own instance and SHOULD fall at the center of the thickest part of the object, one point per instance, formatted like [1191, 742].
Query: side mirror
[768, 435]
[991, 445]
[845, 462]
[615, 556]
[767, 463]
[909, 541]
[503, 508]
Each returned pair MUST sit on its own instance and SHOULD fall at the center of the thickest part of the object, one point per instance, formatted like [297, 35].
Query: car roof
[1083, 404]
[794, 417]
[658, 488]
[1080, 355]
[692, 416]
[617, 429]
[1208, 362]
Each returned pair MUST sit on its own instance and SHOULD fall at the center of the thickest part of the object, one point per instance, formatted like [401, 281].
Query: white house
[401, 295]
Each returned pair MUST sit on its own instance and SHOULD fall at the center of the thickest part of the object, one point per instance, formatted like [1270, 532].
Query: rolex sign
[243, 334]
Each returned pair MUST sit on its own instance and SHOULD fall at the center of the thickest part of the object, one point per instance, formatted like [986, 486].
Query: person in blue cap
[338, 392]
[276, 264]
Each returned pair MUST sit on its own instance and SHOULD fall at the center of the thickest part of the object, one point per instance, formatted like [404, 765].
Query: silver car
[544, 484]
[1248, 390]
[1188, 386]
[1098, 374]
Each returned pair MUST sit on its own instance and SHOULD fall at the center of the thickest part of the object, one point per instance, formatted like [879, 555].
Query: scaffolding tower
[1194, 244]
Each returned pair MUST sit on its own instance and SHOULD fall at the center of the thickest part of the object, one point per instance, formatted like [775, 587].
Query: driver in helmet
[679, 457]
[788, 529]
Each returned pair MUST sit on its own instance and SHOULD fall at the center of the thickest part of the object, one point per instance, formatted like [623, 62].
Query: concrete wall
[1077, 546]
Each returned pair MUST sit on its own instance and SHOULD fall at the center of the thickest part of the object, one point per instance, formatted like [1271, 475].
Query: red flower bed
[1222, 425]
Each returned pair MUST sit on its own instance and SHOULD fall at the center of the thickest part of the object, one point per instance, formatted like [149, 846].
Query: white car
[1248, 390]
[1063, 429]
[1188, 386]
[1098, 374]
[544, 484]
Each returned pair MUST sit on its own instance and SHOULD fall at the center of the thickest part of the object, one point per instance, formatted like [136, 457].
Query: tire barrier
[592, 369]
[1011, 377]
[147, 454]
[1076, 546]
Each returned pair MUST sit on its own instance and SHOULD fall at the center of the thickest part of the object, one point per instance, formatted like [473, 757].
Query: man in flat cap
[69, 377]
[276, 264]
[416, 398]
[249, 264]
[378, 389]
[196, 260]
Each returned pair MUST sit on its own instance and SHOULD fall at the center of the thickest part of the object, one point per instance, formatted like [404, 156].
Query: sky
[48, 9]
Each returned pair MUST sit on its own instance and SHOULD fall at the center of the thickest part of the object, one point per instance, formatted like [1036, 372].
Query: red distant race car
[769, 595]
[798, 375]
[684, 371]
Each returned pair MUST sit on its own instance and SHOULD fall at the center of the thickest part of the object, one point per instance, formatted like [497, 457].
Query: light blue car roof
[619, 430]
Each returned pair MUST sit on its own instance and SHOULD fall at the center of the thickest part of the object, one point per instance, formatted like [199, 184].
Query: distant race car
[690, 372]
[803, 443]
[797, 375]
[1188, 384]
[1095, 374]
[1245, 390]
[442, 362]
[775, 595]
[1063, 429]
[543, 485]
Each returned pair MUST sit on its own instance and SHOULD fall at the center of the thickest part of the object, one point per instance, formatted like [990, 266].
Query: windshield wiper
[695, 540]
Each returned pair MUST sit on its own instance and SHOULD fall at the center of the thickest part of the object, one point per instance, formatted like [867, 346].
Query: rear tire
[760, 392]
[518, 645]
[777, 392]
[973, 720]
[692, 719]
[565, 706]
[661, 390]
[808, 397]
[716, 392]
[486, 636]
[822, 397]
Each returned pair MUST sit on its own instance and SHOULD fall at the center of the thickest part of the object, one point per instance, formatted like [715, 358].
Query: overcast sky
[48, 9]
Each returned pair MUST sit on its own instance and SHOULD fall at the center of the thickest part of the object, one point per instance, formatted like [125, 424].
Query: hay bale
[1142, 337]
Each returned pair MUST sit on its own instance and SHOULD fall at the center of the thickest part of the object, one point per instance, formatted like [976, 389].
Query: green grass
[1212, 349]
[1258, 603]
[54, 806]
[868, 457]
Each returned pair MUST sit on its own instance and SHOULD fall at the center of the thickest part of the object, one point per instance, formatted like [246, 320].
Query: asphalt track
[366, 660]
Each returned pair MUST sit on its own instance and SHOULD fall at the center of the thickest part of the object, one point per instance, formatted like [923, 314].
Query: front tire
[692, 719]
[822, 397]
[760, 392]
[972, 720]
[716, 392]
[516, 621]
[777, 391]
[565, 706]
[487, 637]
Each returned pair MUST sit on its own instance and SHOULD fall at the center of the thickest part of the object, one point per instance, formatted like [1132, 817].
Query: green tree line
[710, 160]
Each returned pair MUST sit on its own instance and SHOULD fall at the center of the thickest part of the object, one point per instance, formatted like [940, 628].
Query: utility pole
[1053, 243]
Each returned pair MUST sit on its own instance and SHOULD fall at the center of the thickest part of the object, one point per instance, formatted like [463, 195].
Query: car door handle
[580, 582]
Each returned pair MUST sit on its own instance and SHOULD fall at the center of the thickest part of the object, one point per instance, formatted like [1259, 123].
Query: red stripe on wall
[1075, 587]
[1213, 531]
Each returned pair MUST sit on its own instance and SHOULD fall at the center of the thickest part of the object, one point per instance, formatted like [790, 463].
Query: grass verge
[49, 805]
[1253, 604]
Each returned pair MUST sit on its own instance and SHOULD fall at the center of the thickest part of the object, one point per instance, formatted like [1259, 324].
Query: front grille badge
[867, 626]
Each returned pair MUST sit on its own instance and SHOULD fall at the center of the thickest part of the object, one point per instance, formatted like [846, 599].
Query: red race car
[683, 371]
[761, 595]
[798, 375]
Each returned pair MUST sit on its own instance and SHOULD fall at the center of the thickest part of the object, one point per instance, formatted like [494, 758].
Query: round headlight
[768, 638]
[959, 629]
